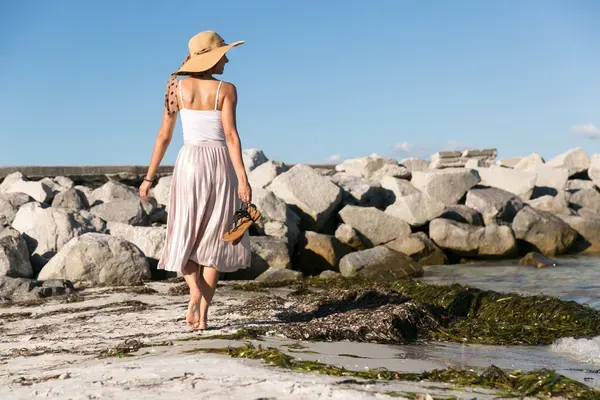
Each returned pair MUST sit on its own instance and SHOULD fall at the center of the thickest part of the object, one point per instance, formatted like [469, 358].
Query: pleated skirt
[203, 200]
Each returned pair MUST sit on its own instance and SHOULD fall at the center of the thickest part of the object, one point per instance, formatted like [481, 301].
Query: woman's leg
[190, 274]
[199, 278]
[208, 284]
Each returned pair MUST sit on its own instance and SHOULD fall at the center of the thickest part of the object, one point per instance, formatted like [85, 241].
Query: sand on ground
[57, 350]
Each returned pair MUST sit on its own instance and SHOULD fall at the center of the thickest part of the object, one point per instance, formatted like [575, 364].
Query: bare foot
[193, 314]
[201, 325]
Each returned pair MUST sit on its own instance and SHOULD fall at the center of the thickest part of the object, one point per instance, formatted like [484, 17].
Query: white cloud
[334, 157]
[404, 146]
[589, 131]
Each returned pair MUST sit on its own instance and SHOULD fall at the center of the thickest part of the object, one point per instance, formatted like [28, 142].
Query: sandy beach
[63, 351]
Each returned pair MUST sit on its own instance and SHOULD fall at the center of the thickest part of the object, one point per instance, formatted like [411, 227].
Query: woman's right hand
[245, 191]
[144, 189]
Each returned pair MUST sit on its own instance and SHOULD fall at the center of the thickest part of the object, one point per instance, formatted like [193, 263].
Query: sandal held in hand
[242, 220]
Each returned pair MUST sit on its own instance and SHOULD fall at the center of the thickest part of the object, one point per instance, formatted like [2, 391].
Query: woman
[208, 171]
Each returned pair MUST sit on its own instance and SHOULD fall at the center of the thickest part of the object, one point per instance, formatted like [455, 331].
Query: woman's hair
[171, 105]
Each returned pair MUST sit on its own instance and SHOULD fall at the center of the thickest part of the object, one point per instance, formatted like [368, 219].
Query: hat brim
[206, 61]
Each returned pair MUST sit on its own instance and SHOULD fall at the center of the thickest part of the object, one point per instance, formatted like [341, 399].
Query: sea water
[575, 278]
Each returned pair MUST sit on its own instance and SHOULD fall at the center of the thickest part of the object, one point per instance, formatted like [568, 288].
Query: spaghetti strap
[180, 95]
[217, 98]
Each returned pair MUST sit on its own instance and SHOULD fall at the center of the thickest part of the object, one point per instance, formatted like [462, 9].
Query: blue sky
[83, 81]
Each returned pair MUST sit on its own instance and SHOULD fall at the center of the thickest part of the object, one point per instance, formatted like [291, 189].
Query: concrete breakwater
[96, 175]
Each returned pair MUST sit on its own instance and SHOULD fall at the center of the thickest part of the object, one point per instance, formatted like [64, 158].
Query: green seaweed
[294, 346]
[312, 282]
[300, 291]
[361, 315]
[462, 313]
[356, 282]
[488, 317]
[176, 279]
[132, 289]
[419, 396]
[33, 380]
[305, 351]
[350, 355]
[179, 290]
[70, 298]
[253, 333]
[541, 383]
[123, 349]
[263, 286]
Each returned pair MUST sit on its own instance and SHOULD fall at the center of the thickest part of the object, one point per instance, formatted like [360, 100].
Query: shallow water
[412, 358]
[575, 278]
[423, 357]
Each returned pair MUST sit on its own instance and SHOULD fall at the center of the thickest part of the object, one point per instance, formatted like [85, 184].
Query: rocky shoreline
[338, 242]
[369, 217]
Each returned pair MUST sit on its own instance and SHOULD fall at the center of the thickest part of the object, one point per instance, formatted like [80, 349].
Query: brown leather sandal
[242, 220]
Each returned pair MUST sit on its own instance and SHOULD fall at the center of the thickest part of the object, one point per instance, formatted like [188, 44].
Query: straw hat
[206, 49]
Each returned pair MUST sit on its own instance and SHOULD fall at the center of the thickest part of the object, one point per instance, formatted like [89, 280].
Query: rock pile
[370, 216]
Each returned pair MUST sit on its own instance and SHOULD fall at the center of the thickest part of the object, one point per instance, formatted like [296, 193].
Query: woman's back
[200, 101]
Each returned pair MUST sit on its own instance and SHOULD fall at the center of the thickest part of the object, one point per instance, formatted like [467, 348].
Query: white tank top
[201, 124]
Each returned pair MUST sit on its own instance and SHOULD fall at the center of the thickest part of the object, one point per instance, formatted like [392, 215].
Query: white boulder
[375, 226]
[14, 255]
[445, 186]
[149, 239]
[264, 174]
[46, 229]
[411, 205]
[518, 182]
[99, 260]
[575, 161]
[529, 161]
[252, 158]
[312, 196]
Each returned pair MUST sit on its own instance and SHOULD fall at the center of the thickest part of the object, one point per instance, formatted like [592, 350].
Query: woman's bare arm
[163, 138]
[233, 140]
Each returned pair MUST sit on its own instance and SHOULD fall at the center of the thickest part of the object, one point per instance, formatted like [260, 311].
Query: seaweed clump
[316, 282]
[263, 286]
[123, 349]
[179, 290]
[488, 317]
[540, 383]
[37, 301]
[142, 289]
[404, 311]
[31, 381]
[363, 315]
